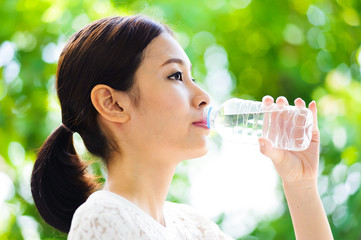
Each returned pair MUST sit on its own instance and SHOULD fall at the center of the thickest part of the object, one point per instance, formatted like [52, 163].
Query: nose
[201, 99]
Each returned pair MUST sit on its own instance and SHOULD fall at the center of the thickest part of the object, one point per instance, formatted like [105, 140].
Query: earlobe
[109, 103]
[123, 115]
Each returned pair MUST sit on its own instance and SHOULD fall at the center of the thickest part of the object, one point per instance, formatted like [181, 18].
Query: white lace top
[106, 215]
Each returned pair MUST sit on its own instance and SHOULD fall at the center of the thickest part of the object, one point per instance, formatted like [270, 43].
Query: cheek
[168, 112]
[171, 100]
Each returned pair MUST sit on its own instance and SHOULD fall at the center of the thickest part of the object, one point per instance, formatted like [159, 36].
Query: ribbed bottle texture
[287, 127]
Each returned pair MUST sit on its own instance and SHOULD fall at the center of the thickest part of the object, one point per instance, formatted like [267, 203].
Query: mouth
[201, 123]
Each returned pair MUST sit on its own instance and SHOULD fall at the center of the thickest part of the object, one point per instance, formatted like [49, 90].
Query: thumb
[268, 150]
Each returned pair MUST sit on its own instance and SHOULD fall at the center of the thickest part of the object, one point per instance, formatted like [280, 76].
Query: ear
[110, 104]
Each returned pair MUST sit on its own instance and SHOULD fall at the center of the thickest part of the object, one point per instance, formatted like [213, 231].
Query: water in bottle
[287, 127]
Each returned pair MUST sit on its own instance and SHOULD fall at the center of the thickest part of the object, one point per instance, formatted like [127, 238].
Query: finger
[281, 120]
[268, 150]
[312, 106]
[315, 132]
[271, 122]
[281, 101]
[267, 100]
[300, 103]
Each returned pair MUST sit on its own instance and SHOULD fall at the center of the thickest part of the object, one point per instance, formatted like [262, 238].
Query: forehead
[161, 49]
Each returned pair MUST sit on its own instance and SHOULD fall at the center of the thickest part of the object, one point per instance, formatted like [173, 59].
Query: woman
[125, 86]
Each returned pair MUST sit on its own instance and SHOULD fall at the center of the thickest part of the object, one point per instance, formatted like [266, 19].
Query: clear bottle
[287, 127]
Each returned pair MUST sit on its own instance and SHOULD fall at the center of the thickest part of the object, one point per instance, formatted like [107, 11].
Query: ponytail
[59, 181]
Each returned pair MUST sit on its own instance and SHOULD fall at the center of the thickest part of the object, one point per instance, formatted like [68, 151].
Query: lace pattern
[106, 215]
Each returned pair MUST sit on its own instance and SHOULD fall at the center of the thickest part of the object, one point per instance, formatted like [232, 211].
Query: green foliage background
[295, 48]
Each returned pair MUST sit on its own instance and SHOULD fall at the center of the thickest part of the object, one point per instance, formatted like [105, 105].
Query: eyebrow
[174, 60]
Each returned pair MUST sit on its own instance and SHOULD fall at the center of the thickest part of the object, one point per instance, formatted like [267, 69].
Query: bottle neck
[211, 112]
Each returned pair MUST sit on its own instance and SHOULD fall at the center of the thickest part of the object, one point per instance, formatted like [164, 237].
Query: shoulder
[102, 203]
[103, 216]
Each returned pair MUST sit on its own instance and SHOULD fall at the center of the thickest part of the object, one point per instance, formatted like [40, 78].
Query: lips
[201, 123]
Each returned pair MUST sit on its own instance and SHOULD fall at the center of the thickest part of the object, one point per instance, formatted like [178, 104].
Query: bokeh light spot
[7, 53]
[351, 17]
[52, 14]
[293, 34]
[316, 16]
[240, 4]
[16, 153]
[51, 53]
[11, 71]
[339, 137]
[24, 41]
[202, 40]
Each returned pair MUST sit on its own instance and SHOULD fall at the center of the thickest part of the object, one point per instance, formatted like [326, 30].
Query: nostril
[202, 104]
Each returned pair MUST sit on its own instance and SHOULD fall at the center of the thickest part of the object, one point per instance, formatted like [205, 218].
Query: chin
[199, 152]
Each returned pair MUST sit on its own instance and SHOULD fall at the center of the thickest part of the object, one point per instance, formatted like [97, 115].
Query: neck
[143, 181]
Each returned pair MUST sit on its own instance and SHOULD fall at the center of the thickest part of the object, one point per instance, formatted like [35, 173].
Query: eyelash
[178, 74]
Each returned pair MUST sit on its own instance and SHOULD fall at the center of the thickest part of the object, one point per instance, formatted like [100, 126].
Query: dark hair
[107, 51]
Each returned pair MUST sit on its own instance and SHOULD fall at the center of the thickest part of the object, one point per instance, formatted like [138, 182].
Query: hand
[298, 168]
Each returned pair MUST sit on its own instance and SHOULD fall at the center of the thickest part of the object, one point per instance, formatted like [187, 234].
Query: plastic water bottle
[287, 127]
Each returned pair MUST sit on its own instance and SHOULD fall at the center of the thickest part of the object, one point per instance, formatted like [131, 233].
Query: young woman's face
[167, 118]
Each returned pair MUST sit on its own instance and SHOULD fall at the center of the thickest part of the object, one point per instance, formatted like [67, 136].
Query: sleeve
[98, 223]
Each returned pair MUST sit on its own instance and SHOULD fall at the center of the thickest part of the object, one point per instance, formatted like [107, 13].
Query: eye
[176, 76]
